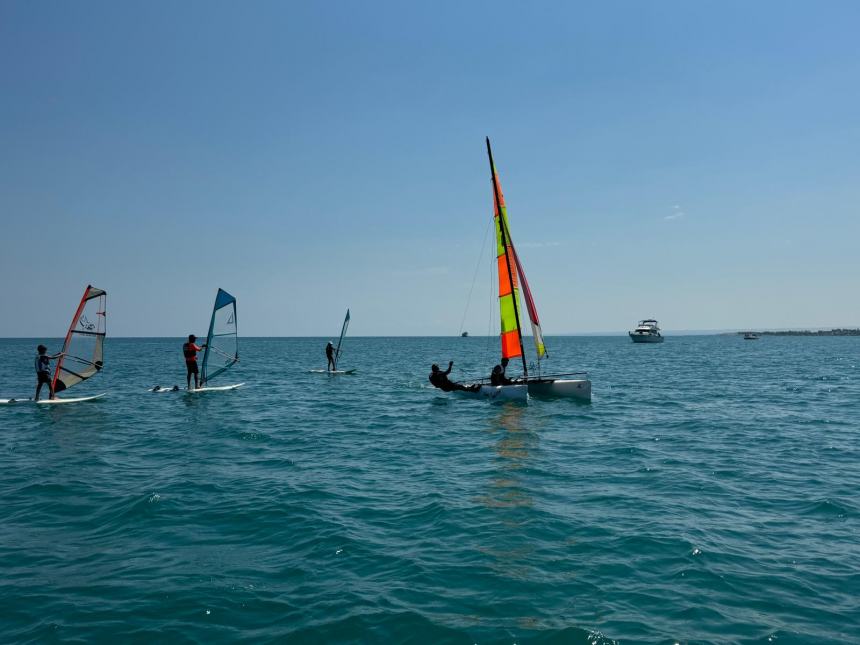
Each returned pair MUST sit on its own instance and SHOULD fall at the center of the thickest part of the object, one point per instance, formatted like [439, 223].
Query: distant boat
[750, 335]
[647, 331]
[465, 334]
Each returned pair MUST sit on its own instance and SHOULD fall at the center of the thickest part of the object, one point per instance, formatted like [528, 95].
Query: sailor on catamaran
[43, 370]
[329, 354]
[189, 350]
[440, 379]
[498, 376]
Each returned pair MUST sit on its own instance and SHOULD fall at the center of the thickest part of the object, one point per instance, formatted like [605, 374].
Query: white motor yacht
[647, 331]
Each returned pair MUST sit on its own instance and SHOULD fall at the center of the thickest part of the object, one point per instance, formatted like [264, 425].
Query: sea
[707, 494]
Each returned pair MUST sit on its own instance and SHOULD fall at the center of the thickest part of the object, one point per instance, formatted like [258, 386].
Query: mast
[505, 244]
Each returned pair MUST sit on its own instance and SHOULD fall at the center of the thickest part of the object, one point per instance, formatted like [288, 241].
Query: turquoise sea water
[708, 494]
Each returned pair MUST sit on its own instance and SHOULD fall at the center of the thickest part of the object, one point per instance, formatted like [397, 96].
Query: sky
[696, 162]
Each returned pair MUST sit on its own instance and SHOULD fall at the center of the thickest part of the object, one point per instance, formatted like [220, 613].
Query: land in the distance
[807, 332]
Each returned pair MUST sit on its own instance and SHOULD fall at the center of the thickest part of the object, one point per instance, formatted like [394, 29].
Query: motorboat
[647, 331]
[750, 335]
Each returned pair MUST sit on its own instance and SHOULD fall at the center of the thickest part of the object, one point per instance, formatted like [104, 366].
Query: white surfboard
[219, 388]
[79, 399]
[332, 372]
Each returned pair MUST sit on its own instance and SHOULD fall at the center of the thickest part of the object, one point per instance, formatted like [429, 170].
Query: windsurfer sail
[340, 340]
[83, 349]
[222, 341]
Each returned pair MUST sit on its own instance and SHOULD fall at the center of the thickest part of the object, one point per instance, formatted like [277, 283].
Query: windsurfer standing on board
[43, 370]
[329, 354]
[189, 350]
[440, 379]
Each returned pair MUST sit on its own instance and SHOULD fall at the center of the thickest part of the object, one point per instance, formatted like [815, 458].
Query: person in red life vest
[189, 350]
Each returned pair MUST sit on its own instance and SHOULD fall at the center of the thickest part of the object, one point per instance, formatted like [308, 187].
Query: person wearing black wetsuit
[43, 371]
[498, 376]
[189, 350]
[329, 354]
[440, 379]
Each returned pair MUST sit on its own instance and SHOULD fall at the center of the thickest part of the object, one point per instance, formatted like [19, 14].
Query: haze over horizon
[690, 162]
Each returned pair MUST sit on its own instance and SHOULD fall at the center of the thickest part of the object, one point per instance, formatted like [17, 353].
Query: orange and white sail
[83, 349]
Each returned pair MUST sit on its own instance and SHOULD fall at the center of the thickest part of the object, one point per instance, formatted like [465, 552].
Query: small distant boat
[750, 335]
[465, 334]
[647, 331]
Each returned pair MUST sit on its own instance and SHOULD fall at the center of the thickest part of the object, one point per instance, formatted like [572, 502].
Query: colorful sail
[509, 292]
[537, 334]
[222, 342]
[83, 349]
[340, 340]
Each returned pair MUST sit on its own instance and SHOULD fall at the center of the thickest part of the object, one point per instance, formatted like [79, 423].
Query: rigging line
[475, 277]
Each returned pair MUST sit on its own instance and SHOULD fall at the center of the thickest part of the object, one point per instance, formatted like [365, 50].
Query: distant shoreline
[806, 332]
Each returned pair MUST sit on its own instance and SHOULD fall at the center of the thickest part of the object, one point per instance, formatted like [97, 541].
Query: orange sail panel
[509, 292]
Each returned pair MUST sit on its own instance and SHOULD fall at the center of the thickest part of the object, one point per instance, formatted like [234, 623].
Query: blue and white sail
[340, 340]
[222, 341]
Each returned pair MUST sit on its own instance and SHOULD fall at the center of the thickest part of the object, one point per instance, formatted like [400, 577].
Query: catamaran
[511, 275]
[83, 349]
[337, 351]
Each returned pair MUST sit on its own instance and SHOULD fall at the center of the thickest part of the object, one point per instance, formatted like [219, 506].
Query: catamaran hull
[563, 388]
[519, 393]
[500, 393]
[645, 338]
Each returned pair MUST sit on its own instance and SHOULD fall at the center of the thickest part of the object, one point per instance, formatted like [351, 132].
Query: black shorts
[191, 366]
[44, 377]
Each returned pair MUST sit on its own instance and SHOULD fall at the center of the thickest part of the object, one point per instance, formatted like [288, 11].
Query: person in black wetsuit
[329, 354]
[440, 379]
[43, 371]
[498, 376]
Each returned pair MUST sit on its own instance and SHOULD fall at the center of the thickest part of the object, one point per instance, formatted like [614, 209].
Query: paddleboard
[334, 373]
[76, 400]
[220, 388]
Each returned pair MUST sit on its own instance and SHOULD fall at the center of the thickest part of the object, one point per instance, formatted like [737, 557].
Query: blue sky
[692, 161]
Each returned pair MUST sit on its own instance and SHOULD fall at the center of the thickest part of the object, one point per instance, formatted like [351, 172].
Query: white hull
[220, 388]
[516, 393]
[506, 392]
[567, 388]
[645, 338]
[79, 399]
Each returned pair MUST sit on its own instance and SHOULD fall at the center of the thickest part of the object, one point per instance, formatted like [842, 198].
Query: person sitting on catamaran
[440, 379]
[329, 354]
[43, 370]
[498, 376]
[189, 350]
